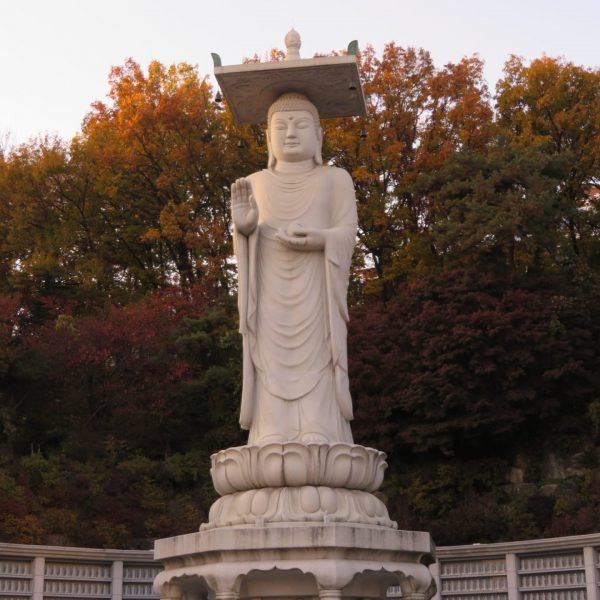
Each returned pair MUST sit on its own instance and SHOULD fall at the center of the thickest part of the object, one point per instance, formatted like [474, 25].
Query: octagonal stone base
[307, 560]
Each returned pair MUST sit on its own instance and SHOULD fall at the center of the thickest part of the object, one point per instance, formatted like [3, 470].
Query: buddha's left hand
[302, 238]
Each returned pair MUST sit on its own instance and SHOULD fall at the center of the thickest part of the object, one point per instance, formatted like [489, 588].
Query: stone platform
[295, 560]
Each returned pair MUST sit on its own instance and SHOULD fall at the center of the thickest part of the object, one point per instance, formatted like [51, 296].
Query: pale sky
[55, 55]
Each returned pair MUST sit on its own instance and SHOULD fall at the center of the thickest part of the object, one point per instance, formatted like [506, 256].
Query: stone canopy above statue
[331, 83]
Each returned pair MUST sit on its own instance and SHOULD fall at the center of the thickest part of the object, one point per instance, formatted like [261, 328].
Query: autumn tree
[100, 413]
[138, 201]
[418, 115]
[497, 212]
[463, 358]
[553, 105]
[38, 241]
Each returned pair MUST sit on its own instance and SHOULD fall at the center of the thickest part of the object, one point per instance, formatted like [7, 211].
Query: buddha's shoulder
[340, 178]
[335, 174]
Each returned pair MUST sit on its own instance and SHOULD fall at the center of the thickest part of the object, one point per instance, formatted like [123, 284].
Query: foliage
[136, 202]
[474, 343]
[465, 358]
[417, 116]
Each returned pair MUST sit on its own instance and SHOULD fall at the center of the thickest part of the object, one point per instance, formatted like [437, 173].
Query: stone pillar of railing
[590, 560]
[435, 571]
[117, 580]
[512, 576]
[38, 566]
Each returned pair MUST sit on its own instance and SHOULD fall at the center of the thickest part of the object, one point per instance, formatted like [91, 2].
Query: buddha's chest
[285, 201]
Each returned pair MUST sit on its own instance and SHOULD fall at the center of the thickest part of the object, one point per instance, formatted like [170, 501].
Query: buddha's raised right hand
[244, 210]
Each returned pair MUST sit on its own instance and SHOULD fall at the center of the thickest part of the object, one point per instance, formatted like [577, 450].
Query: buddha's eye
[303, 124]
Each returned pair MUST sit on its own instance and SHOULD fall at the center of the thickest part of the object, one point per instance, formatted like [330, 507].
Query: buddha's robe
[293, 310]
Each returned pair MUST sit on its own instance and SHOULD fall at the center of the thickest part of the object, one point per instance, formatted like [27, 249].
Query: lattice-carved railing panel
[64, 570]
[553, 577]
[137, 581]
[551, 562]
[15, 568]
[487, 596]
[473, 567]
[10, 587]
[77, 580]
[478, 579]
[562, 579]
[555, 595]
[476, 585]
[15, 579]
[80, 589]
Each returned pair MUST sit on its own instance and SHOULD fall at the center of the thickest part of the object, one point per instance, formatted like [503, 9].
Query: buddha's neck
[303, 166]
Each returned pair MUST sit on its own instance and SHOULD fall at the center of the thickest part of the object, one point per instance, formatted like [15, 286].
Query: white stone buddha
[295, 227]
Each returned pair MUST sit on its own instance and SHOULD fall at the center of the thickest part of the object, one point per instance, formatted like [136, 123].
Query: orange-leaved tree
[554, 106]
[417, 116]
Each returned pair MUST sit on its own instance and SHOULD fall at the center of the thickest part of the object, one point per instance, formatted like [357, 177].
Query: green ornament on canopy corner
[353, 48]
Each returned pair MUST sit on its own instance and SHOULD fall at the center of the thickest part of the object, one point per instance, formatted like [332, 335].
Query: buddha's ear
[272, 161]
[318, 157]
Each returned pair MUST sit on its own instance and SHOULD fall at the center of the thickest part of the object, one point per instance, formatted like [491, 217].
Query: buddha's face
[293, 136]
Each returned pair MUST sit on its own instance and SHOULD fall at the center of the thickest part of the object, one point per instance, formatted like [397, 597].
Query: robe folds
[293, 310]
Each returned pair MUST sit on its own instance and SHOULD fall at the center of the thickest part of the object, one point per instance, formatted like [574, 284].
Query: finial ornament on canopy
[292, 45]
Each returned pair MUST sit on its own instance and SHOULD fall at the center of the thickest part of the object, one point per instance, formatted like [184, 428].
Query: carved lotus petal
[369, 504]
[228, 472]
[271, 465]
[316, 454]
[340, 470]
[235, 474]
[378, 477]
[220, 481]
[243, 503]
[359, 471]
[329, 501]
[295, 463]
[309, 499]
[260, 501]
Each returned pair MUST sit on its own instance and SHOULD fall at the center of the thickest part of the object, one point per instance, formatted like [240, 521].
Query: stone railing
[53, 573]
[566, 568]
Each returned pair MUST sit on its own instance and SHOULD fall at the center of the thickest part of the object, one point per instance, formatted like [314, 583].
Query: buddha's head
[294, 132]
